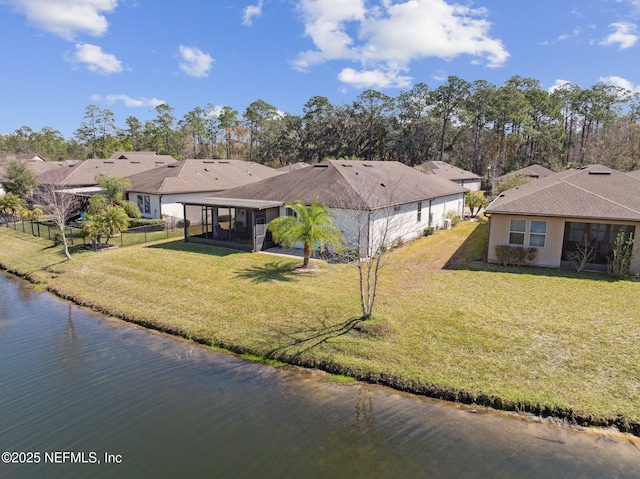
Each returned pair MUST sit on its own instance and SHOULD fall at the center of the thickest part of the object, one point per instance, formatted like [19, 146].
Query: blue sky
[59, 56]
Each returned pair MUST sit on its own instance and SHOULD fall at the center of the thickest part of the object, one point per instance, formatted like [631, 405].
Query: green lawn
[444, 325]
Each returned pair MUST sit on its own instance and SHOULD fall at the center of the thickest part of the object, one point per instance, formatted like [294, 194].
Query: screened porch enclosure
[600, 238]
[238, 224]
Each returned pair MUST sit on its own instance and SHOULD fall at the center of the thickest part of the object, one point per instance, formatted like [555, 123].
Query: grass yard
[517, 338]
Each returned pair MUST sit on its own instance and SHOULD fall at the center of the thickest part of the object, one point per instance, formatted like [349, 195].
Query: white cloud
[387, 38]
[66, 18]
[621, 82]
[373, 79]
[250, 12]
[625, 35]
[559, 84]
[95, 59]
[195, 62]
[128, 101]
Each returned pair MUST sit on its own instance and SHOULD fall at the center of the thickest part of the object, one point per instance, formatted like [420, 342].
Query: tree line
[477, 126]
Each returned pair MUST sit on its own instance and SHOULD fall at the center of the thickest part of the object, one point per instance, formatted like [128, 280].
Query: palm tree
[311, 225]
[115, 188]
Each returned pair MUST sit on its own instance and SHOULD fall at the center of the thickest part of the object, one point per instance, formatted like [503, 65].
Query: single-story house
[83, 173]
[532, 171]
[36, 162]
[294, 166]
[553, 214]
[160, 191]
[374, 202]
[465, 178]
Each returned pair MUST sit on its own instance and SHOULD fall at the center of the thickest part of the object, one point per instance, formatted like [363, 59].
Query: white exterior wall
[440, 206]
[391, 224]
[166, 205]
[471, 185]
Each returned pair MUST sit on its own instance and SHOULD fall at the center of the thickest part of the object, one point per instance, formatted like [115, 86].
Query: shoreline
[565, 417]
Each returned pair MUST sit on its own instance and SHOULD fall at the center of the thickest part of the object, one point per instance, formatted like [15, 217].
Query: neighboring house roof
[137, 155]
[294, 166]
[350, 184]
[84, 173]
[591, 192]
[192, 176]
[532, 171]
[6, 157]
[38, 165]
[448, 171]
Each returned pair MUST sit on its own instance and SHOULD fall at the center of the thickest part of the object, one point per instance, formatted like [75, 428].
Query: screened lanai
[233, 223]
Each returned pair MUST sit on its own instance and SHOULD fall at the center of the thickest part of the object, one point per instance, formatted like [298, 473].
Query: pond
[87, 396]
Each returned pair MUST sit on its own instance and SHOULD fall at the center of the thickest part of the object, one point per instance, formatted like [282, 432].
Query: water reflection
[70, 380]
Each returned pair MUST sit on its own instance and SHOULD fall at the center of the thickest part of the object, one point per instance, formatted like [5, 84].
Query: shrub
[453, 216]
[620, 262]
[515, 255]
[57, 238]
[428, 231]
[137, 222]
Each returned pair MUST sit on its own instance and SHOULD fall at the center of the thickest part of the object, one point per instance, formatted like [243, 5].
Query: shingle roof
[37, 165]
[193, 176]
[532, 171]
[350, 184]
[448, 171]
[294, 166]
[592, 192]
[140, 155]
[84, 173]
[635, 174]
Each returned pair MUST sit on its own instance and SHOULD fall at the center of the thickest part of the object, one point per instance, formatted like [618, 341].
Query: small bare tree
[60, 206]
[583, 255]
[371, 226]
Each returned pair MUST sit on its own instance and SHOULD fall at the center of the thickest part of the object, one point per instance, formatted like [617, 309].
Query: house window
[290, 212]
[537, 233]
[147, 204]
[517, 229]
[419, 211]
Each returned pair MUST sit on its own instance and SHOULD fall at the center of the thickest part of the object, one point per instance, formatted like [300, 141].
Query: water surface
[74, 381]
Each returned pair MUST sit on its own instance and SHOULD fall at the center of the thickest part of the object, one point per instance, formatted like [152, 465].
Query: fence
[133, 236]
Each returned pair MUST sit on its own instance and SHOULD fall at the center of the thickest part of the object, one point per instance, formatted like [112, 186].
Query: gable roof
[350, 184]
[635, 174]
[38, 165]
[448, 171]
[140, 156]
[532, 171]
[84, 172]
[591, 192]
[7, 157]
[193, 176]
[294, 166]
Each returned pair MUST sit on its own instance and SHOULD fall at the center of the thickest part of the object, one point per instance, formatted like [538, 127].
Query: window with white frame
[537, 233]
[517, 228]
[419, 211]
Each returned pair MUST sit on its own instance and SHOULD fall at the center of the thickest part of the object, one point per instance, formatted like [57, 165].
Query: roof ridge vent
[599, 172]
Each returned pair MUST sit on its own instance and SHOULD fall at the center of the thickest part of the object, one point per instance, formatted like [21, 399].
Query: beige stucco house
[553, 214]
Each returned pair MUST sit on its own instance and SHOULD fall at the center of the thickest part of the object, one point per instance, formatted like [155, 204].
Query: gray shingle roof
[592, 192]
[84, 173]
[532, 171]
[350, 184]
[194, 176]
[448, 171]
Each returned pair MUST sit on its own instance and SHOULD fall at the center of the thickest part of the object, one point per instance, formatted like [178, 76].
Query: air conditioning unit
[447, 223]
